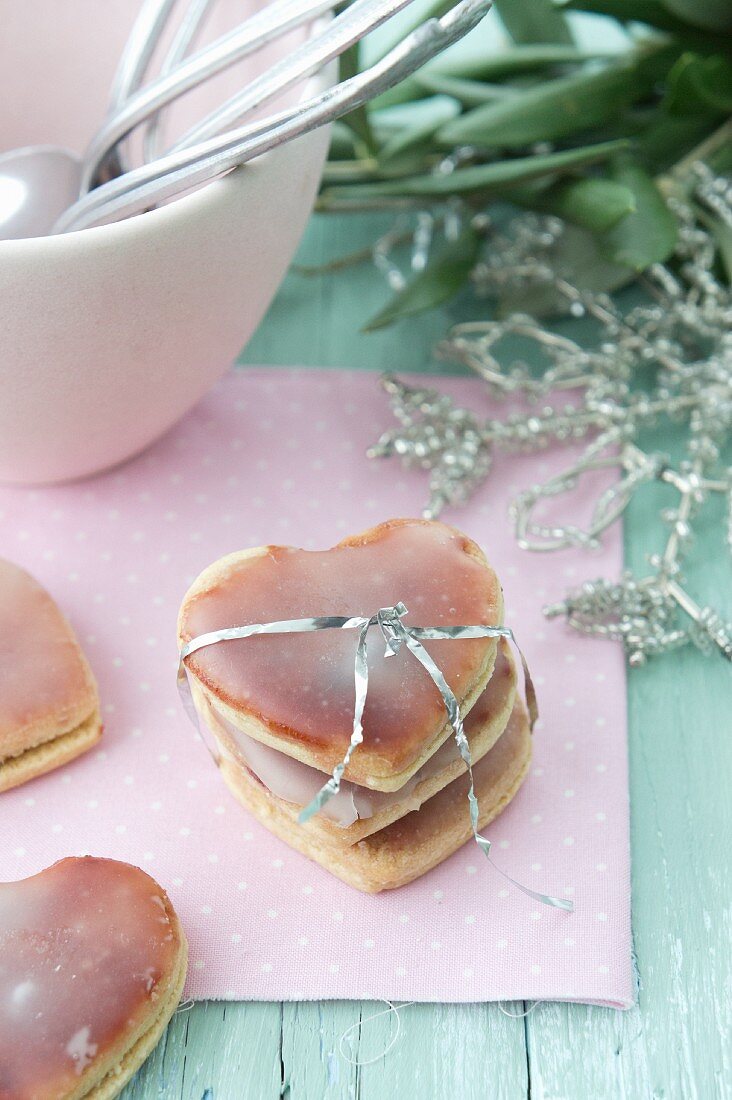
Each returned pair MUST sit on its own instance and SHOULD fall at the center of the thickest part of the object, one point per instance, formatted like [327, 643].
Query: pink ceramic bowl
[109, 335]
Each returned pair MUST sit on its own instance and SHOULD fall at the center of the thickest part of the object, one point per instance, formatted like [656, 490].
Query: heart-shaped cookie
[92, 965]
[49, 707]
[296, 692]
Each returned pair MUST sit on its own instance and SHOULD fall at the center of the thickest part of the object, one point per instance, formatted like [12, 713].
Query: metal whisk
[223, 140]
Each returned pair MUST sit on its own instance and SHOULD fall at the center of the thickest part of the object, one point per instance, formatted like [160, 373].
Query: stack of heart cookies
[280, 706]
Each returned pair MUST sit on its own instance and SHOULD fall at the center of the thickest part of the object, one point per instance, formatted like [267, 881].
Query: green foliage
[357, 120]
[447, 271]
[533, 21]
[471, 93]
[594, 204]
[680, 18]
[517, 62]
[647, 234]
[700, 84]
[406, 137]
[577, 257]
[581, 134]
[711, 15]
[548, 111]
[488, 180]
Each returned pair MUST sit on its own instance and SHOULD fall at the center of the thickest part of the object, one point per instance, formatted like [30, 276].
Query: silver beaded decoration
[669, 359]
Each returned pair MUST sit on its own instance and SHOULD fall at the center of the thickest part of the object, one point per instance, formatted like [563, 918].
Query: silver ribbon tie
[396, 634]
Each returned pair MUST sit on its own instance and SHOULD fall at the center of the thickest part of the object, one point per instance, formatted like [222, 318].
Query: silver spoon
[39, 182]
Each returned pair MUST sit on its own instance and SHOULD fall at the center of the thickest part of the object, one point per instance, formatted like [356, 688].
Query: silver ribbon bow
[396, 634]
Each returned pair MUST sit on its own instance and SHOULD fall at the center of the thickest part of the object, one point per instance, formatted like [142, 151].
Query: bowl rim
[194, 204]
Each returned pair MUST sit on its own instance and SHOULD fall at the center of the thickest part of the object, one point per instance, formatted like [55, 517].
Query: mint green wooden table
[676, 1043]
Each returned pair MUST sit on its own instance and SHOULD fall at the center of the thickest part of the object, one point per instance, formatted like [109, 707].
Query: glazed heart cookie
[295, 692]
[92, 965]
[49, 707]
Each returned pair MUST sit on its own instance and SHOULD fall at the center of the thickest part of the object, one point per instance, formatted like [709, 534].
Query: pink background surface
[277, 456]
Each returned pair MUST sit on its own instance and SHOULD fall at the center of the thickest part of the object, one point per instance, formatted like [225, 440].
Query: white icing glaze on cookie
[84, 947]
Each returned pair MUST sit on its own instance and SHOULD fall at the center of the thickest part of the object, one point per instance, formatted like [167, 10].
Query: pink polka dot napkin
[279, 456]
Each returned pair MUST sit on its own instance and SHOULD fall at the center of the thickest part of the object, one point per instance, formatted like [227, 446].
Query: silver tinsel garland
[669, 359]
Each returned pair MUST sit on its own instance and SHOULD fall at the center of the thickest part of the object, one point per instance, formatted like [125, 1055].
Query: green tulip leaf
[594, 204]
[513, 62]
[722, 234]
[358, 119]
[493, 178]
[658, 14]
[710, 15]
[652, 12]
[471, 93]
[407, 137]
[548, 111]
[489, 66]
[534, 21]
[447, 272]
[668, 138]
[699, 84]
[575, 256]
[649, 233]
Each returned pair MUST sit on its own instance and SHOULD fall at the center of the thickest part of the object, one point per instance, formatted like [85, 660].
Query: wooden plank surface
[676, 1044]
